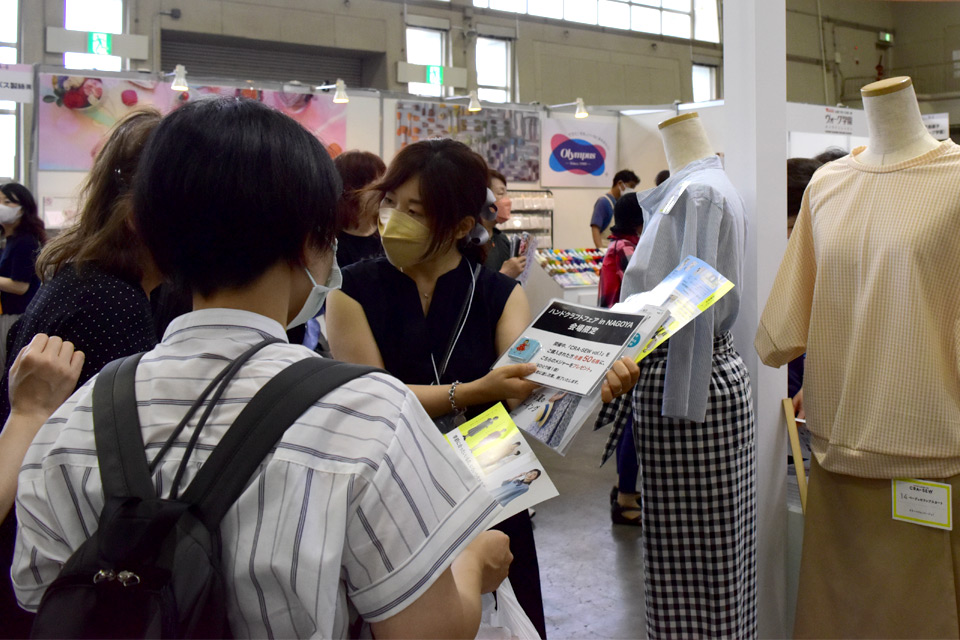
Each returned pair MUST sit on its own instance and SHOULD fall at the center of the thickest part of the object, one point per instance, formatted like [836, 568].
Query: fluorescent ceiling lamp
[474, 105]
[581, 110]
[180, 78]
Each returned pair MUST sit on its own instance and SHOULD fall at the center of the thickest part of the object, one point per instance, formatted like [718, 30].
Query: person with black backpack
[227, 483]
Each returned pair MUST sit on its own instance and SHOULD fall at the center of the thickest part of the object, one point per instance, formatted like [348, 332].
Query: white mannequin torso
[896, 129]
[684, 141]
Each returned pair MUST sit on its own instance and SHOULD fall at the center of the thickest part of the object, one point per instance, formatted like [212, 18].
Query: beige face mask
[405, 239]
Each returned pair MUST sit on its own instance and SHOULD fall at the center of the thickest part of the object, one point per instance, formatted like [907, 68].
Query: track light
[180, 78]
[581, 110]
[340, 95]
[340, 91]
[474, 105]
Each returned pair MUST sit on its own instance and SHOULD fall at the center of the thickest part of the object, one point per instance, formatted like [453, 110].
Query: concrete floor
[591, 570]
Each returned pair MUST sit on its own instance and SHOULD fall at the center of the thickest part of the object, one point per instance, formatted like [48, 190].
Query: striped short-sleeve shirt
[360, 507]
[868, 289]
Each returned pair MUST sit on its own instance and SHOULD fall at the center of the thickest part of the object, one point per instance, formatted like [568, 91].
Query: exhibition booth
[556, 165]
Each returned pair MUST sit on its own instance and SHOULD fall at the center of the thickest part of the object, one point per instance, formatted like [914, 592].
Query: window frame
[654, 5]
[72, 60]
[10, 108]
[714, 77]
[444, 58]
[508, 87]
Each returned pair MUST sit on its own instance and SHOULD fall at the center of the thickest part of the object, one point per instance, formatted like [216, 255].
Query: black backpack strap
[258, 428]
[116, 430]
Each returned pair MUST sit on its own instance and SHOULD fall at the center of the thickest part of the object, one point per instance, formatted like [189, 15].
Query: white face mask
[9, 214]
[317, 296]
[624, 190]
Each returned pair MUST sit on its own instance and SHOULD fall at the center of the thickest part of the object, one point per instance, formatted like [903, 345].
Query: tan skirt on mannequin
[865, 575]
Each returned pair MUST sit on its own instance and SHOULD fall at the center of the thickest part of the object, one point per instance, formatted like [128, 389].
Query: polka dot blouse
[104, 316]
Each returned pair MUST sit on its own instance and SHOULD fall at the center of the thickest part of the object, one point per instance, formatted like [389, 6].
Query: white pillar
[754, 72]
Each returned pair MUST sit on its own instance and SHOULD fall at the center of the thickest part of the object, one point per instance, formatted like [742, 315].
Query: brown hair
[453, 184]
[357, 169]
[493, 173]
[104, 232]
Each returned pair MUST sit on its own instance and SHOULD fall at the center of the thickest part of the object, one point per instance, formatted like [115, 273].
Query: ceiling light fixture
[179, 78]
[340, 91]
[581, 111]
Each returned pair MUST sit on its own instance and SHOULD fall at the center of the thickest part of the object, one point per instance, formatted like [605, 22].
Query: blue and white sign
[578, 153]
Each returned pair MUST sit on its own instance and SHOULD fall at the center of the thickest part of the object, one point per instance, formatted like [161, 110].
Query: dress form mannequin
[895, 127]
[684, 140]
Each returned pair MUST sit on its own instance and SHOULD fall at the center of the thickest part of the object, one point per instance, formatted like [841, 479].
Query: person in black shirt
[403, 312]
[97, 274]
[499, 253]
[357, 209]
[24, 234]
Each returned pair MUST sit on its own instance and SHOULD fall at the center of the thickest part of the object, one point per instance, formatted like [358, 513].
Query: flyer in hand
[554, 416]
[495, 451]
[572, 345]
[689, 290]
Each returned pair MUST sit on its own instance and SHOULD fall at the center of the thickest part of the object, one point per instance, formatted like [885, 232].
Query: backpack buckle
[104, 575]
[126, 578]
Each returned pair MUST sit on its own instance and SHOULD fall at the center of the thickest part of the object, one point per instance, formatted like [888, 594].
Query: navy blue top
[19, 263]
[406, 338]
[104, 316]
[602, 212]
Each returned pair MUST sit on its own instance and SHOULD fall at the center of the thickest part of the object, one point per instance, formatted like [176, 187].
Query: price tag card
[923, 502]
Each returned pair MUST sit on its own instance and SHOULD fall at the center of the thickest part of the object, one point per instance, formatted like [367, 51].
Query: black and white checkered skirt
[699, 505]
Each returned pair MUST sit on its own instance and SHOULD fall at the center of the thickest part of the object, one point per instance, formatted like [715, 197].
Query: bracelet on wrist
[452, 395]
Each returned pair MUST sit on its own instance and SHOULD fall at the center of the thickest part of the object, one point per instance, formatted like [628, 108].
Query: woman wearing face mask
[24, 233]
[498, 250]
[438, 321]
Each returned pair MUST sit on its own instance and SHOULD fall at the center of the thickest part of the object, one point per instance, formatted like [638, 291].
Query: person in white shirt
[362, 513]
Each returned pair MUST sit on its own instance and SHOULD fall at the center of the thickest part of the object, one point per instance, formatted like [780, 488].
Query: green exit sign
[100, 44]
[434, 74]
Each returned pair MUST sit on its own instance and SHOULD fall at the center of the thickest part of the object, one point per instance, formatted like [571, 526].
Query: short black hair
[627, 215]
[625, 175]
[799, 172]
[662, 177]
[228, 187]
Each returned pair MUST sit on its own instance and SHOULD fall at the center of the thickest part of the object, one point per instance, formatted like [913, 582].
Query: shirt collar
[227, 318]
[668, 185]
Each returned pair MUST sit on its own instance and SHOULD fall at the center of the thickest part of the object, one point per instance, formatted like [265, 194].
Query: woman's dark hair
[453, 184]
[227, 188]
[103, 233]
[627, 215]
[799, 172]
[30, 222]
[662, 177]
[830, 154]
[357, 170]
[493, 173]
